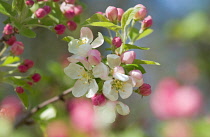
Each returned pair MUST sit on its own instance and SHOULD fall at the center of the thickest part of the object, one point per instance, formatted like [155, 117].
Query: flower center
[83, 41]
[87, 75]
[118, 85]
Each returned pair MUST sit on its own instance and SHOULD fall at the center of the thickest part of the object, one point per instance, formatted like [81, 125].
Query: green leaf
[129, 67]
[68, 38]
[144, 34]
[138, 61]
[24, 99]
[128, 16]
[27, 32]
[108, 40]
[107, 25]
[133, 33]
[95, 18]
[17, 5]
[10, 60]
[129, 46]
[6, 9]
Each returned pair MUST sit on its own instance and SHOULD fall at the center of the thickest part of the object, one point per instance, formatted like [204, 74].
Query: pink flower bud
[60, 29]
[30, 83]
[8, 29]
[118, 69]
[70, 1]
[128, 57]
[40, 13]
[117, 42]
[94, 57]
[47, 9]
[98, 99]
[28, 63]
[111, 13]
[140, 15]
[120, 13]
[78, 10]
[146, 23]
[71, 25]
[17, 48]
[11, 40]
[29, 3]
[136, 74]
[19, 90]
[36, 77]
[69, 14]
[145, 90]
[22, 68]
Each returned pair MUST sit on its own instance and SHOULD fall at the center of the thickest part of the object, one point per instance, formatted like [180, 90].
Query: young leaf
[108, 40]
[138, 61]
[133, 33]
[27, 32]
[96, 18]
[10, 60]
[17, 5]
[24, 99]
[128, 16]
[129, 46]
[68, 38]
[129, 67]
[107, 25]
[144, 34]
[6, 9]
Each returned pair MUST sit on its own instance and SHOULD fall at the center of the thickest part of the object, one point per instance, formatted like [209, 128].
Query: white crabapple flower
[106, 114]
[81, 46]
[120, 83]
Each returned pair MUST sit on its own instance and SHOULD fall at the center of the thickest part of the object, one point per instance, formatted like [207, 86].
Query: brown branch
[24, 119]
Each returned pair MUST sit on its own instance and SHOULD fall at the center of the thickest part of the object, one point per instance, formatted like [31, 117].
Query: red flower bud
[19, 90]
[8, 29]
[112, 13]
[71, 25]
[60, 29]
[22, 68]
[29, 3]
[145, 90]
[146, 23]
[47, 9]
[40, 13]
[28, 63]
[98, 99]
[69, 14]
[17, 48]
[36, 77]
[11, 40]
[117, 42]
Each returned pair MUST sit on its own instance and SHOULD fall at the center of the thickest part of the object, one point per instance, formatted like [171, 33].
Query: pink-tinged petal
[122, 109]
[80, 87]
[73, 59]
[93, 88]
[98, 41]
[109, 92]
[85, 63]
[73, 46]
[139, 83]
[127, 91]
[121, 77]
[74, 71]
[113, 60]
[94, 57]
[84, 49]
[86, 33]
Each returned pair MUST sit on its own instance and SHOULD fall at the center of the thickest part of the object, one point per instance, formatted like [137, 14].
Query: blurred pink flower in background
[10, 107]
[57, 129]
[171, 100]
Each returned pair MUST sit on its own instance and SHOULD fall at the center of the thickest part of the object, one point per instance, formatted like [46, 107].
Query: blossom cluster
[105, 80]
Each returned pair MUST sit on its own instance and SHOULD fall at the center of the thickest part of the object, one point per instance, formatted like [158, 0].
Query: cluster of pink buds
[25, 66]
[42, 12]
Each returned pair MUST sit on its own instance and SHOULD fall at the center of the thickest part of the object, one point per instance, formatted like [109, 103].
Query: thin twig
[23, 120]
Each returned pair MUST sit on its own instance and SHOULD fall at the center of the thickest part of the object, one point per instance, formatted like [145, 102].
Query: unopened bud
[98, 99]
[69, 14]
[28, 63]
[60, 29]
[36, 77]
[70, 1]
[19, 90]
[94, 57]
[11, 40]
[117, 42]
[8, 29]
[120, 14]
[137, 78]
[141, 14]
[111, 13]
[22, 68]
[17, 48]
[128, 57]
[145, 90]
[40, 13]
[29, 3]
[78, 10]
[47, 9]
[146, 23]
[71, 25]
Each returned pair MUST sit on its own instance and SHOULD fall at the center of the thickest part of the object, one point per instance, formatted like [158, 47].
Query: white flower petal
[83, 50]
[73, 59]
[93, 88]
[98, 41]
[74, 71]
[80, 87]
[113, 60]
[101, 71]
[127, 91]
[106, 113]
[86, 33]
[122, 109]
[121, 76]
[109, 92]
[73, 46]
